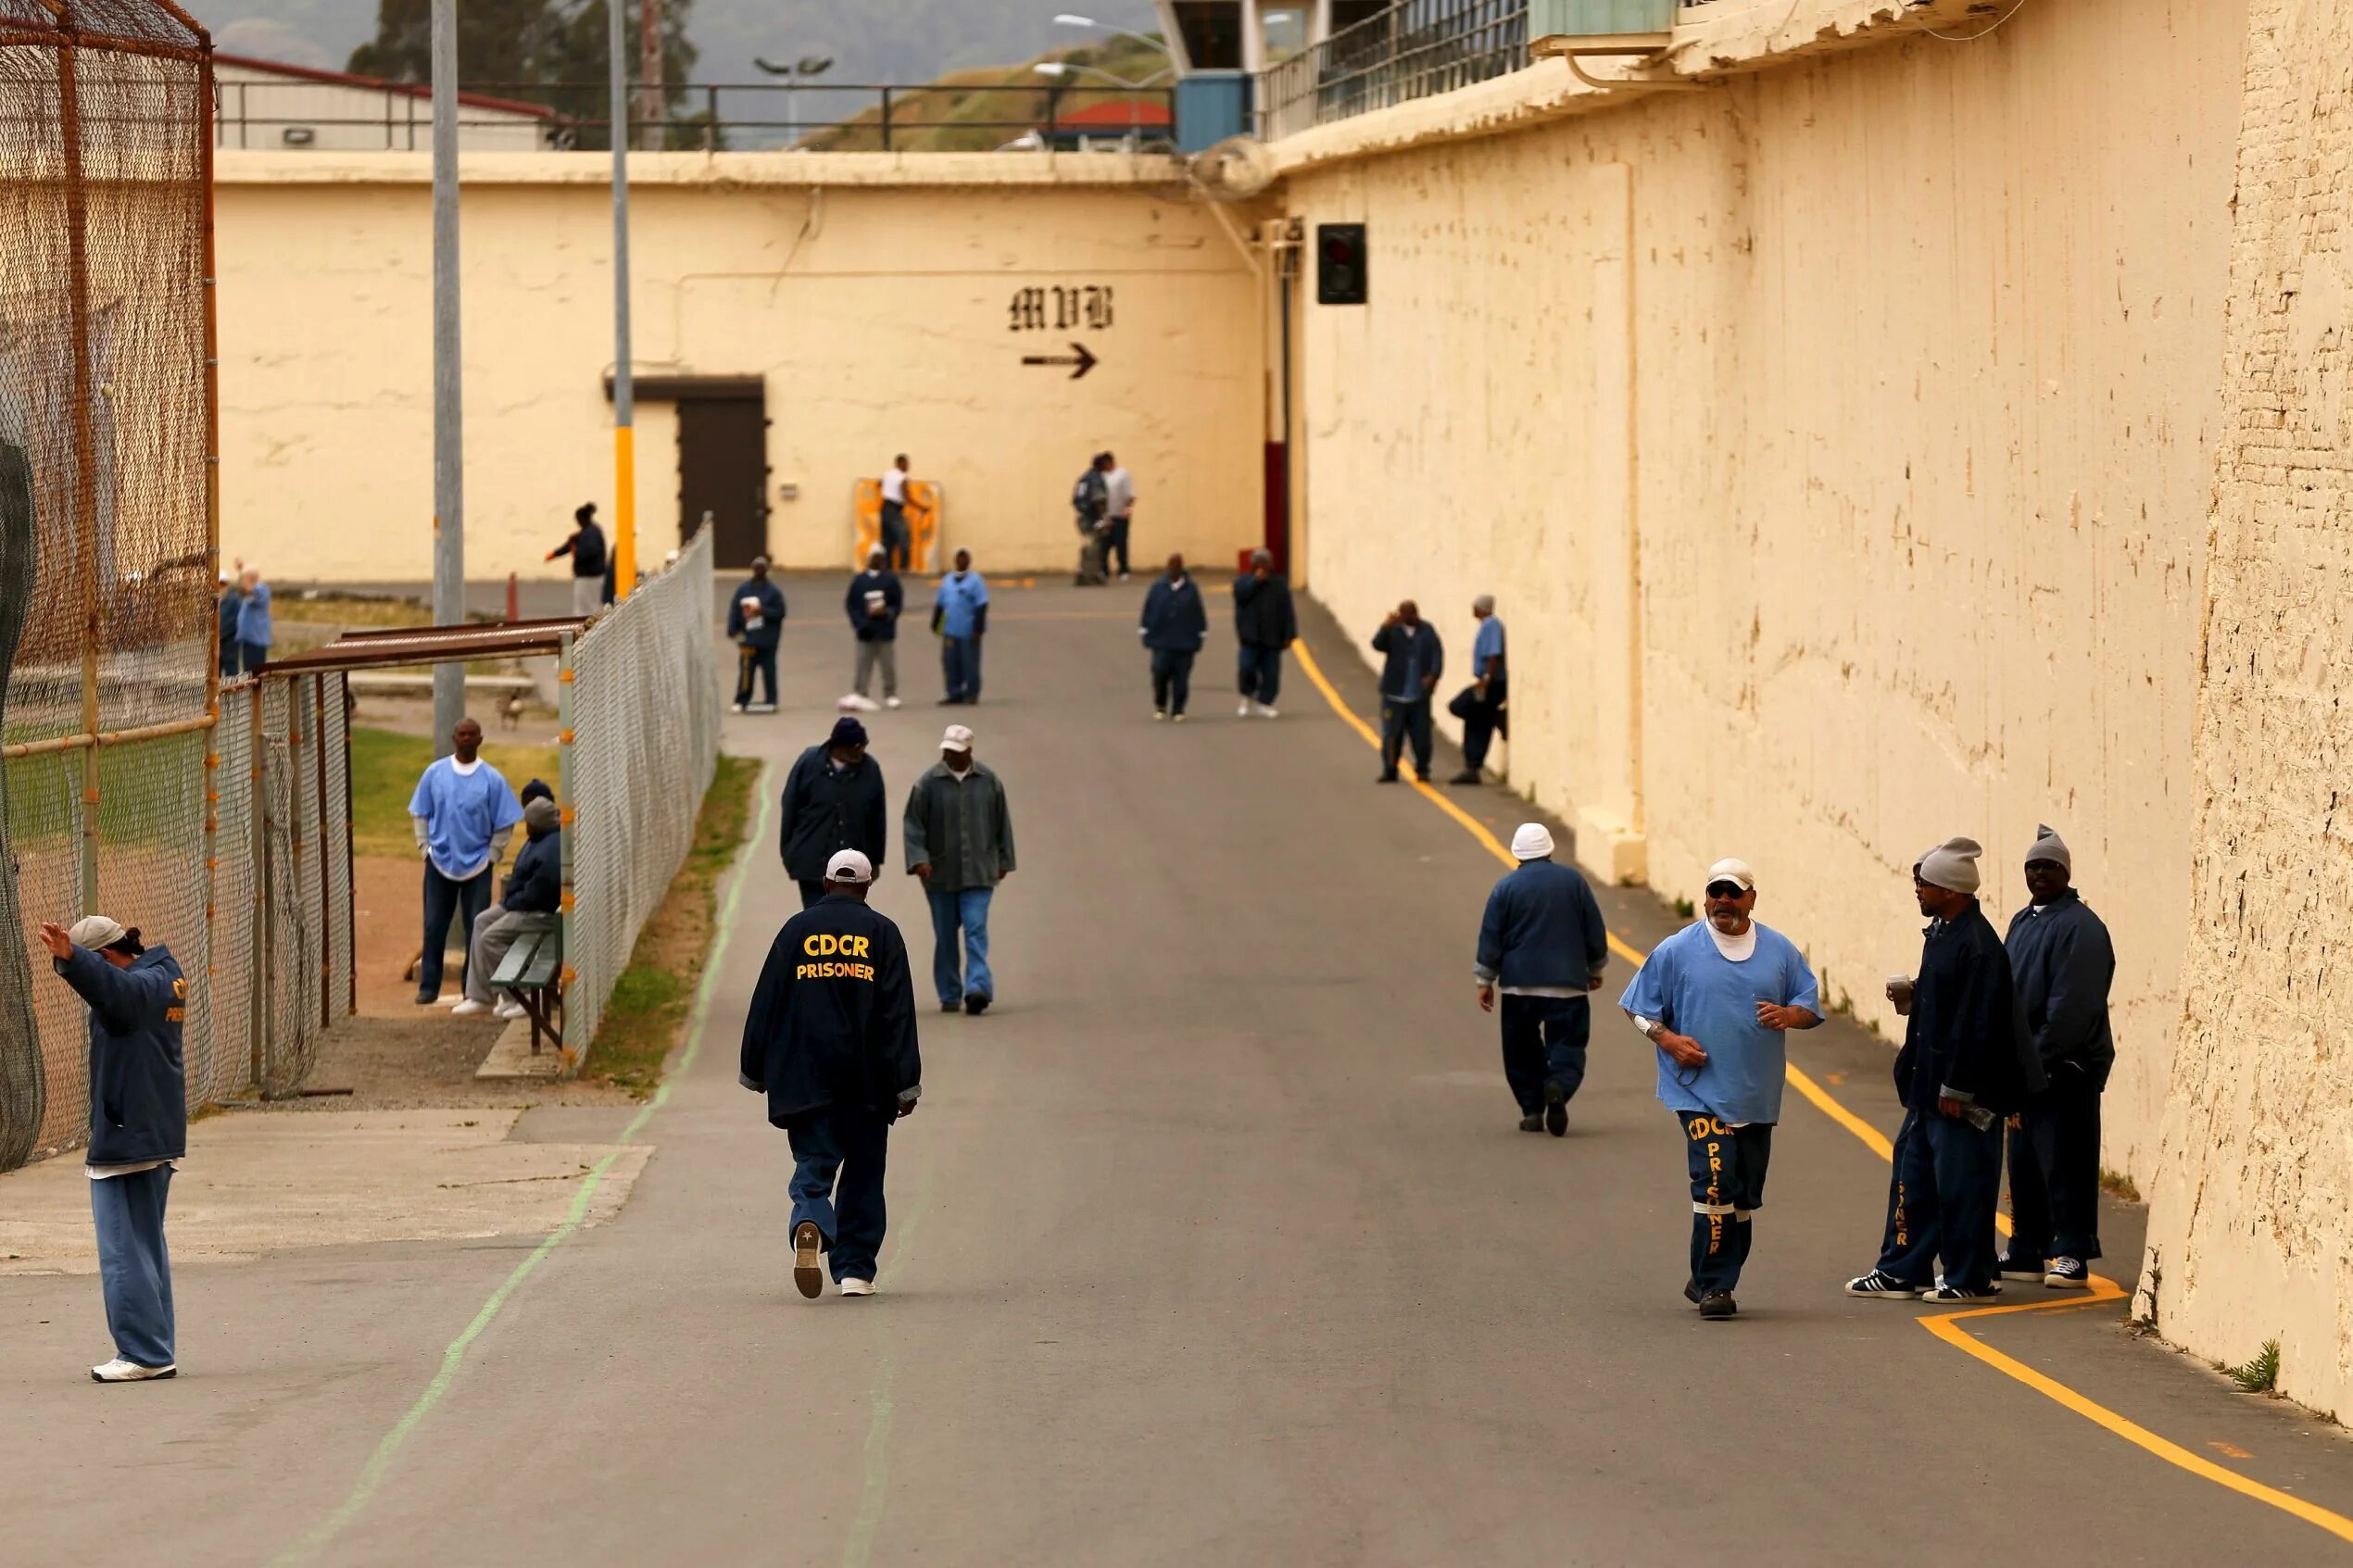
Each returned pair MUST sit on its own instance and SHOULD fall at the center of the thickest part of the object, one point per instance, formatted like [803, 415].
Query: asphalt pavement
[1215, 1241]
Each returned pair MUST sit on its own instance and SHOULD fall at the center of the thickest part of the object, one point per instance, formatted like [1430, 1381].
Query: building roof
[373, 84]
[1151, 114]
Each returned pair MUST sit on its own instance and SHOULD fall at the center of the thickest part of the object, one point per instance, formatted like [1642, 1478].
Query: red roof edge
[404, 89]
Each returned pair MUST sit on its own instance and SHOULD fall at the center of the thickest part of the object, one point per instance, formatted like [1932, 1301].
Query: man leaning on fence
[533, 890]
[138, 1128]
[464, 813]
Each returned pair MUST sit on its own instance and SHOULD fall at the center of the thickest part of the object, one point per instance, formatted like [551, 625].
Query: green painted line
[863, 1530]
[379, 1464]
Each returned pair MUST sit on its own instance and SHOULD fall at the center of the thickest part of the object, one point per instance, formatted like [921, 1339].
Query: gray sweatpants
[872, 654]
[494, 931]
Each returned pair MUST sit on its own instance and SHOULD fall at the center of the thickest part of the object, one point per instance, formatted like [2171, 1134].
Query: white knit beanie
[1952, 865]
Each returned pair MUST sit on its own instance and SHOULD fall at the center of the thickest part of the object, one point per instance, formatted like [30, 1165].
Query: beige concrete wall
[1838, 443]
[873, 294]
[2248, 1235]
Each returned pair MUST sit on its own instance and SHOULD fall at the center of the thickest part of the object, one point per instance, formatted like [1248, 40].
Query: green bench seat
[533, 974]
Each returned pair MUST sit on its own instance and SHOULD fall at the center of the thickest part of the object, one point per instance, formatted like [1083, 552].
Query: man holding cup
[1961, 1073]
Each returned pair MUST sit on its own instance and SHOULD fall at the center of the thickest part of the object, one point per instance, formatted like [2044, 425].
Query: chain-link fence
[640, 744]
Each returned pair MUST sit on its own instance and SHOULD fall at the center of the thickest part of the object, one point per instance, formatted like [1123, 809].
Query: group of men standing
[1999, 1035]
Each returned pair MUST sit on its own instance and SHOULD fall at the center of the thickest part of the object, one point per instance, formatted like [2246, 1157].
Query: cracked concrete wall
[878, 313]
[2248, 1237]
[1838, 443]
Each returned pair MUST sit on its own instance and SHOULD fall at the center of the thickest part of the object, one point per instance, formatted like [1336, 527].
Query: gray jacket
[962, 828]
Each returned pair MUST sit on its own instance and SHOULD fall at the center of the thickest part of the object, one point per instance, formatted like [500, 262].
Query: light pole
[448, 422]
[624, 434]
[807, 68]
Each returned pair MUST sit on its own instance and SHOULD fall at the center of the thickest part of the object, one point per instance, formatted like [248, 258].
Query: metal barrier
[639, 732]
[1414, 49]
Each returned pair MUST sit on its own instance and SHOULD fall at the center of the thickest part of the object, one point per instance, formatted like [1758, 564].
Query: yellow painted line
[1944, 1325]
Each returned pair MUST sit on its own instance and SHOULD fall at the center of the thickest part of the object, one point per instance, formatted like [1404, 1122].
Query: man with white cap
[830, 1039]
[1542, 946]
[959, 834]
[2063, 964]
[138, 1127]
[1716, 998]
[1961, 1072]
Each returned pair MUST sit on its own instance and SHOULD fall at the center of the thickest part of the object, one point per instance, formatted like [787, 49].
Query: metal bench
[533, 974]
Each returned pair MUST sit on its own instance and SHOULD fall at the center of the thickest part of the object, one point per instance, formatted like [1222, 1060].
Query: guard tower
[1220, 46]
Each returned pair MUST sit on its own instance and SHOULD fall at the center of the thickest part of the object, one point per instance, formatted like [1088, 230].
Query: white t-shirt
[1119, 491]
[895, 485]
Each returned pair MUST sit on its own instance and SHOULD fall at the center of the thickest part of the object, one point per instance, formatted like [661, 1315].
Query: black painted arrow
[1079, 357]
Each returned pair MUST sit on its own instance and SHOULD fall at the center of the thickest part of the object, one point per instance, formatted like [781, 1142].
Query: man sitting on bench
[533, 889]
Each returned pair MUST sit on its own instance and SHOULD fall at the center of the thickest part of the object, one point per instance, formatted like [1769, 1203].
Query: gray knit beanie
[2049, 846]
[1952, 865]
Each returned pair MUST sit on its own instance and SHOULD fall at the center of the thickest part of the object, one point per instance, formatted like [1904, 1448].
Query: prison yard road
[1216, 1242]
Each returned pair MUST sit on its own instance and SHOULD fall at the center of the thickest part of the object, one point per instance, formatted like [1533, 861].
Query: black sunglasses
[1724, 890]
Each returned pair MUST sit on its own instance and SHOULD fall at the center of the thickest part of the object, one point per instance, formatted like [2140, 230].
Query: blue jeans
[960, 666]
[1728, 1186]
[252, 656]
[1544, 1040]
[444, 899]
[1402, 723]
[752, 660]
[1171, 679]
[839, 1154]
[1940, 1201]
[968, 909]
[134, 1268]
[1116, 544]
[1262, 673]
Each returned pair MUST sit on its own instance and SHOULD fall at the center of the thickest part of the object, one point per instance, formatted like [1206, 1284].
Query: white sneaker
[739, 708]
[890, 702]
[121, 1371]
[1158, 715]
[1179, 719]
[470, 1009]
[857, 1287]
[1268, 713]
[507, 1008]
[1243, 711]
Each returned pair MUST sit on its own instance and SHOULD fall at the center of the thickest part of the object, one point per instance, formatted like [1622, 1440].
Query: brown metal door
[722, 469]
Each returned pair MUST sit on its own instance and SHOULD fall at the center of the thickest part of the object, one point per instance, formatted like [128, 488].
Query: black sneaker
[808, 1247]
[977, 1002]
[1691, 1291]
[2066, 1273]
[1881, 1285]
[1385, 778]
[1532, 1123]
[1954, 1296]
[1555, 1109]
[1468, 777]
[2027, 1270]
[952, 1006]
[1718, 1304]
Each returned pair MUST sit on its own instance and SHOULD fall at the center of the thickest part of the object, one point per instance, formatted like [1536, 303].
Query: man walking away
[756, 621]
[230, 609]
[960, 614]
[1265, 624]
[1174, 625]
[1961, 1072]
[830, 1039]
[138, 1128]
[254, 630]
[959, 834]
[1542, 944]
[2062, 963]
[1090, 500]
[1716, 998]
[873, 604]
[897, 539]
[1481, 705]
[834, 800]
[463, 813]
[1409, 674]
[534, 889]
[586, 547]
[1119, 506]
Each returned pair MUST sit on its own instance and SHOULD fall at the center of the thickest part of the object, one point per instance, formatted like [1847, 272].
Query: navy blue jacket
[536, 884]
[587, 548]
[1964, 1036]
[1173, 618]
[1542, 928]
[771, 605]
[828, 809]
[2062, 963]
[832, 1022]
[872, 628]
[1410, 662]
[232, 610]
[1263, 614]
[138, 1085]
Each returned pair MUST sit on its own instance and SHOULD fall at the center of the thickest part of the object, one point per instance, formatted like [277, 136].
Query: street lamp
[801, 69]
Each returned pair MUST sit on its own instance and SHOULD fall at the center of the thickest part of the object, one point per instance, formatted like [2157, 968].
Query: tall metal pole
[448, 424]
[624, 436]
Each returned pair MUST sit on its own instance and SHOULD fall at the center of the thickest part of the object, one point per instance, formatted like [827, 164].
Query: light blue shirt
[461, 812]
[1486, 644]
[1691, 986]
[253, 617]
[960, 596]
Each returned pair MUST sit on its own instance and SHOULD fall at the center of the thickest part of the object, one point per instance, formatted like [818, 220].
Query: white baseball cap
[849, 865]
[94, 932]
[958, 738]
[1731, 870]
